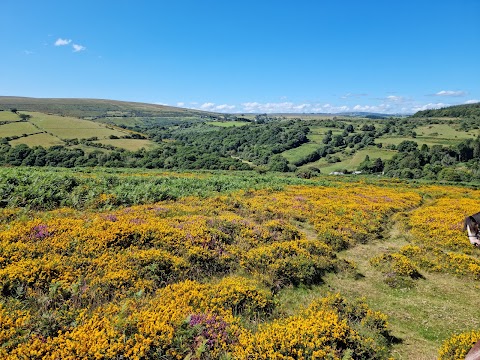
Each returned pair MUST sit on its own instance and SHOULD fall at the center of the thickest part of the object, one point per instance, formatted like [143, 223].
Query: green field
[72, 128]
[228, 123]
[8, 116]
[315, 137]
[43, 139]
[295, 154]
[128, 144]
[434, 134]
[351, 163]
[17, 129]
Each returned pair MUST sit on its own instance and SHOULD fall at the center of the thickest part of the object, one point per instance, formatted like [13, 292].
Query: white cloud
[352, 95]
[62, 42]
[429, 106]
[209, 106]
[225, 107]
[394, 98]
[472, 101]
[77, 48]
[280, 107]
[180, 104]
[450, 93]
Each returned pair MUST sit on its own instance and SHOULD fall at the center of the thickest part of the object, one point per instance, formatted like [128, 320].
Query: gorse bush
[173, 279]
[457, 346]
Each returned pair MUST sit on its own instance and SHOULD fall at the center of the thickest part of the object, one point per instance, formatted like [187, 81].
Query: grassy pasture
[128, 144]
[445, 131]
[71, 128]
[228, 123]
[316, 135]
[8, 116]
[17, 129]
[352, 162]
[43, 139]
[295, 154]
[435, 134]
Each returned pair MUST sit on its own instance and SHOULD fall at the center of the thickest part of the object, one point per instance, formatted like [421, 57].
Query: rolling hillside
[467, 110]
[107, 111]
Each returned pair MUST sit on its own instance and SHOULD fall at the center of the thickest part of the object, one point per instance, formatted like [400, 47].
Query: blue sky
[246, 56]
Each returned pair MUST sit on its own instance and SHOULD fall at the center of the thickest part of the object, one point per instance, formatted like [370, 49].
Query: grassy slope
[315, 137]
[43, 139]
[8, 116]
[352, 162]
[228, 123]
[18, 129]
[71, 128]
[98, 108]
[57, 128]
[434, 134]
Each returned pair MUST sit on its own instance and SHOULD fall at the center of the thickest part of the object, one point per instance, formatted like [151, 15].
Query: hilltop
[107, 111]
[456, 111]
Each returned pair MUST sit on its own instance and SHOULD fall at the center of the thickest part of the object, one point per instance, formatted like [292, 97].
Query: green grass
[45, 140]
[434, 134]
[71, 128]
[17, 129]
[316, 135]
[421, 317]
[351, 163]
[295, 154]
[129, 144]
[8, 116]
[228, 123]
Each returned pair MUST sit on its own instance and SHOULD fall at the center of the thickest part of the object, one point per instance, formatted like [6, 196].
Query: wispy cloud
[77, 48]
[394, 98]
[353, 95]
[472, 101]
[275, 107]
[450, 93]
[429, 106]
[62, 42]
[209, 106]
[28, 52]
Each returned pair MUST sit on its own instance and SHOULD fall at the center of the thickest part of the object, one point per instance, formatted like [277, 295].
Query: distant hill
[108, 111]
[468, 110]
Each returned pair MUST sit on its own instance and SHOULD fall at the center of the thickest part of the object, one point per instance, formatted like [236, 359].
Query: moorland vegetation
[233, 265]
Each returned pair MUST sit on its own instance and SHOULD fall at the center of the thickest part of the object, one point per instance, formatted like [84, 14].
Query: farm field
[434, 134]
[128, 144]
[351, 163]
[228, 123]
[70, 128]
[150, 265]
[316, 134]
[43, 139]
[17, 129]
[8, 116]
